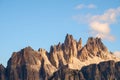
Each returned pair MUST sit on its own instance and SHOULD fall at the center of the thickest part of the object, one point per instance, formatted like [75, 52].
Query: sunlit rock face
[63, 54]
[56, 56]
[28, 64]
[65, 61]
[94, 47]
[70, 47]
[24, 65]
[46, 69]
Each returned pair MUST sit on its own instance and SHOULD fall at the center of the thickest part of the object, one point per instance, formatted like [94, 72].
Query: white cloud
[81, 6]
[100, 24]
[103, 36]
[109, 16]
[100, 27]
[117, 54]
[91, 6]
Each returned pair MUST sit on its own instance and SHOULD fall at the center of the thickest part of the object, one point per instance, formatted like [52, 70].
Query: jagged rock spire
[79, 44]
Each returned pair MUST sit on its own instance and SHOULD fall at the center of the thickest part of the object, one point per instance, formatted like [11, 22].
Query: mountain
[65, 61]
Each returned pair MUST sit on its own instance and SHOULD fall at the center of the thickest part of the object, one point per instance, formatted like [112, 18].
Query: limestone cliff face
[57, 56]
[94, 47]
[24, 65]
[70, 47]
[28, 64]
[46, 69]
[65, 53]
[66, 61]
[94, 52]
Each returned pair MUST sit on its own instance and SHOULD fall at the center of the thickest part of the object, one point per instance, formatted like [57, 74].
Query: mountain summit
[65, 61]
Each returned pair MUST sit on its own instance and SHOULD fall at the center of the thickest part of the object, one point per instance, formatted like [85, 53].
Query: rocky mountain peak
[25, 56]
[29, 48]
[29, 64]
[68, 39]
[96, 42]
[56, 47]
[70, 46]
[42, 51]
[56, 55]
[94, 47]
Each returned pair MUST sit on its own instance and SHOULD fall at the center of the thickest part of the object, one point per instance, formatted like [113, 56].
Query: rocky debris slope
[64, 60]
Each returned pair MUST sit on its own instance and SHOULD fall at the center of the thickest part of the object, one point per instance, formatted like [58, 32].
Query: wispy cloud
[81, 6]
[117, 54]
[100, 24]
[91, 6]
[103, 27]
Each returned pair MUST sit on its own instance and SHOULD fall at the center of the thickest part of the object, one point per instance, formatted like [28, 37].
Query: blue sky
[42, 23]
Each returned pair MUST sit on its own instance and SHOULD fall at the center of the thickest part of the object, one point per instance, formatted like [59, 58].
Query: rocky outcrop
[68, 61]
[108, 70]
[117, 71]
[67, 74]
[28, 64]
[47, 69]
[24, 65]
[94, 52]
[94, 47]
[66, 53]
[103, 71]
[2, 72]
[79, 45]
[57, 56]
[70, 47]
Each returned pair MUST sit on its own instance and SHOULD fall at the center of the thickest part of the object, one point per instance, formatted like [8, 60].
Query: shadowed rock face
[104, 71]
[65, 73]
[2, 72]
[65, 61]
